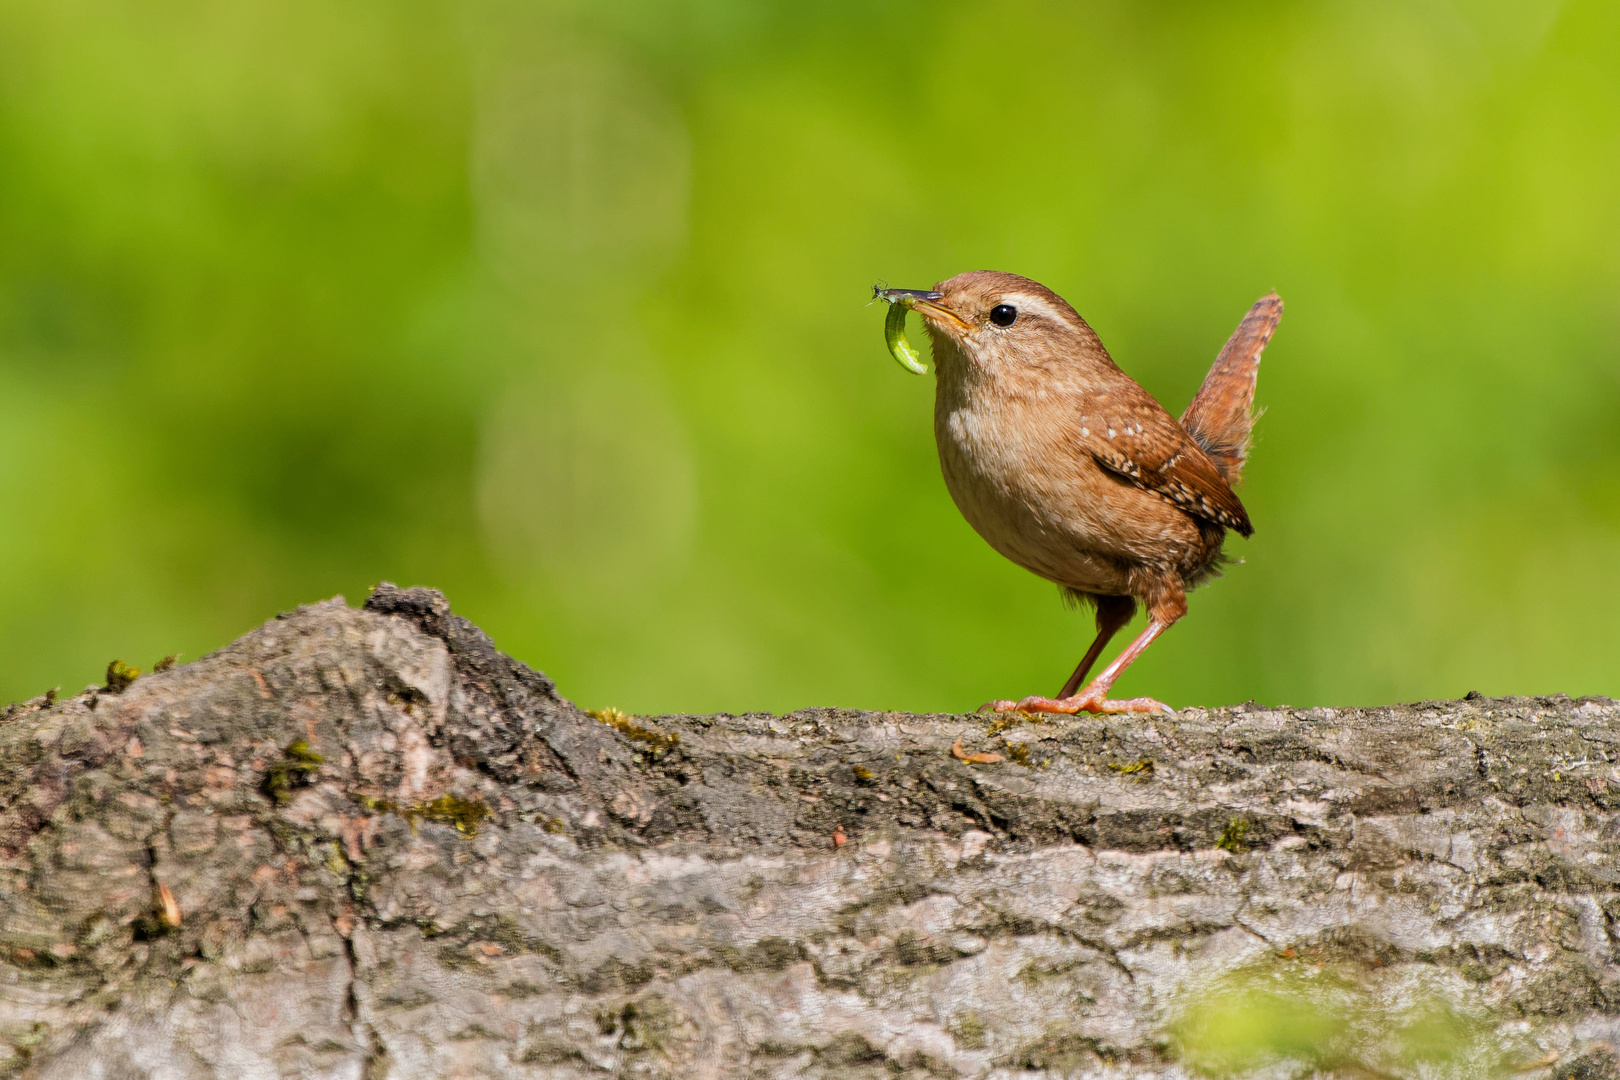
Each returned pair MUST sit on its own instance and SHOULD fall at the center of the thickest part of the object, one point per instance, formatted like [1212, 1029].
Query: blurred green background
[562, 308]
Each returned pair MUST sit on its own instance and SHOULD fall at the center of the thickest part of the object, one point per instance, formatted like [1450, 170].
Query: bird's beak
[924, 303]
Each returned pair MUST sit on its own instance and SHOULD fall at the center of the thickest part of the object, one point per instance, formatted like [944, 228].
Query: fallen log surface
[366, 844]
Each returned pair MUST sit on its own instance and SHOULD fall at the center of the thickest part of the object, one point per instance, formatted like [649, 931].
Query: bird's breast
[1024, 491]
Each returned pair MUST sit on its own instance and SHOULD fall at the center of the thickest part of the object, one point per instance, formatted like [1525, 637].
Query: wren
[1066, 466]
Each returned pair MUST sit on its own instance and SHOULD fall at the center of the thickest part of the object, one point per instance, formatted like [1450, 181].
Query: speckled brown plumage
[1069, 468]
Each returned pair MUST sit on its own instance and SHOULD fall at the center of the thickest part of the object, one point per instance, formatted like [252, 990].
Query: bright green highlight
[1297, 1018]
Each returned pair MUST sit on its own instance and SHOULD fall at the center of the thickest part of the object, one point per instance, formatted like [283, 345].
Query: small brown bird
[1073, 471]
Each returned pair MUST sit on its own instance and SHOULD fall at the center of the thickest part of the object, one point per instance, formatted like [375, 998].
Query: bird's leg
[1094, 698]
[1113, 612]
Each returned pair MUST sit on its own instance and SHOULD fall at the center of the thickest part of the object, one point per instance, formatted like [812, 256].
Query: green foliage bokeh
[562, 308]
[1277, 1018]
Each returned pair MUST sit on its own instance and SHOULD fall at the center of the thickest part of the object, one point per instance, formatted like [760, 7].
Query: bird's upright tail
[1219, 419]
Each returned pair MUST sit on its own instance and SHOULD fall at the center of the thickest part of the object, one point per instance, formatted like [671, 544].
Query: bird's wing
[1219, 418]
[1130, 435]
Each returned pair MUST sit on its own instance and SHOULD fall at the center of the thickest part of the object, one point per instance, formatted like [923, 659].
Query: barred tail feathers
[1220, 418]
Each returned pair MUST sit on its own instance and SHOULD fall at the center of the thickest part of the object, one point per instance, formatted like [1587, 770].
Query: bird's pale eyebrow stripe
[1033, 305]
[1038, 307]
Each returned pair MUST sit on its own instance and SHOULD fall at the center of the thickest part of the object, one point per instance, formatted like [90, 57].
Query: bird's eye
[1003, 314]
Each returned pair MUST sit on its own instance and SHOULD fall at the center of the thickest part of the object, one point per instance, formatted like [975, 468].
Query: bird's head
[993, 324]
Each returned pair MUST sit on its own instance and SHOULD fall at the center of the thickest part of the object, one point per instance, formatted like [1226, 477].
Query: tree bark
[366, 844]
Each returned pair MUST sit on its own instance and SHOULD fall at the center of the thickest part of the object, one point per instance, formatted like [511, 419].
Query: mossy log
[366, 844]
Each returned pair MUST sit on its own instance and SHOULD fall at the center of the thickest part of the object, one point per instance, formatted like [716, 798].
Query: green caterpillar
[900, 301]
[894, 332]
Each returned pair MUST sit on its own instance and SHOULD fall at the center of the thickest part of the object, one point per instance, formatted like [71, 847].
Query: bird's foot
[1091, 701]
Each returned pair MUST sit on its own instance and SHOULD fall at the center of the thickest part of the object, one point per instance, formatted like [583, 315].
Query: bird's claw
[1083, 702]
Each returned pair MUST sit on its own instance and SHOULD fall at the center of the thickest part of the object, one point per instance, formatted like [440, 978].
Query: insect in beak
[905, 296]
[924, 303]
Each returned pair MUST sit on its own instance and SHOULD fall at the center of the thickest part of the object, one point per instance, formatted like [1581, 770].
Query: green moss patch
[295, 768]
[654, 740]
